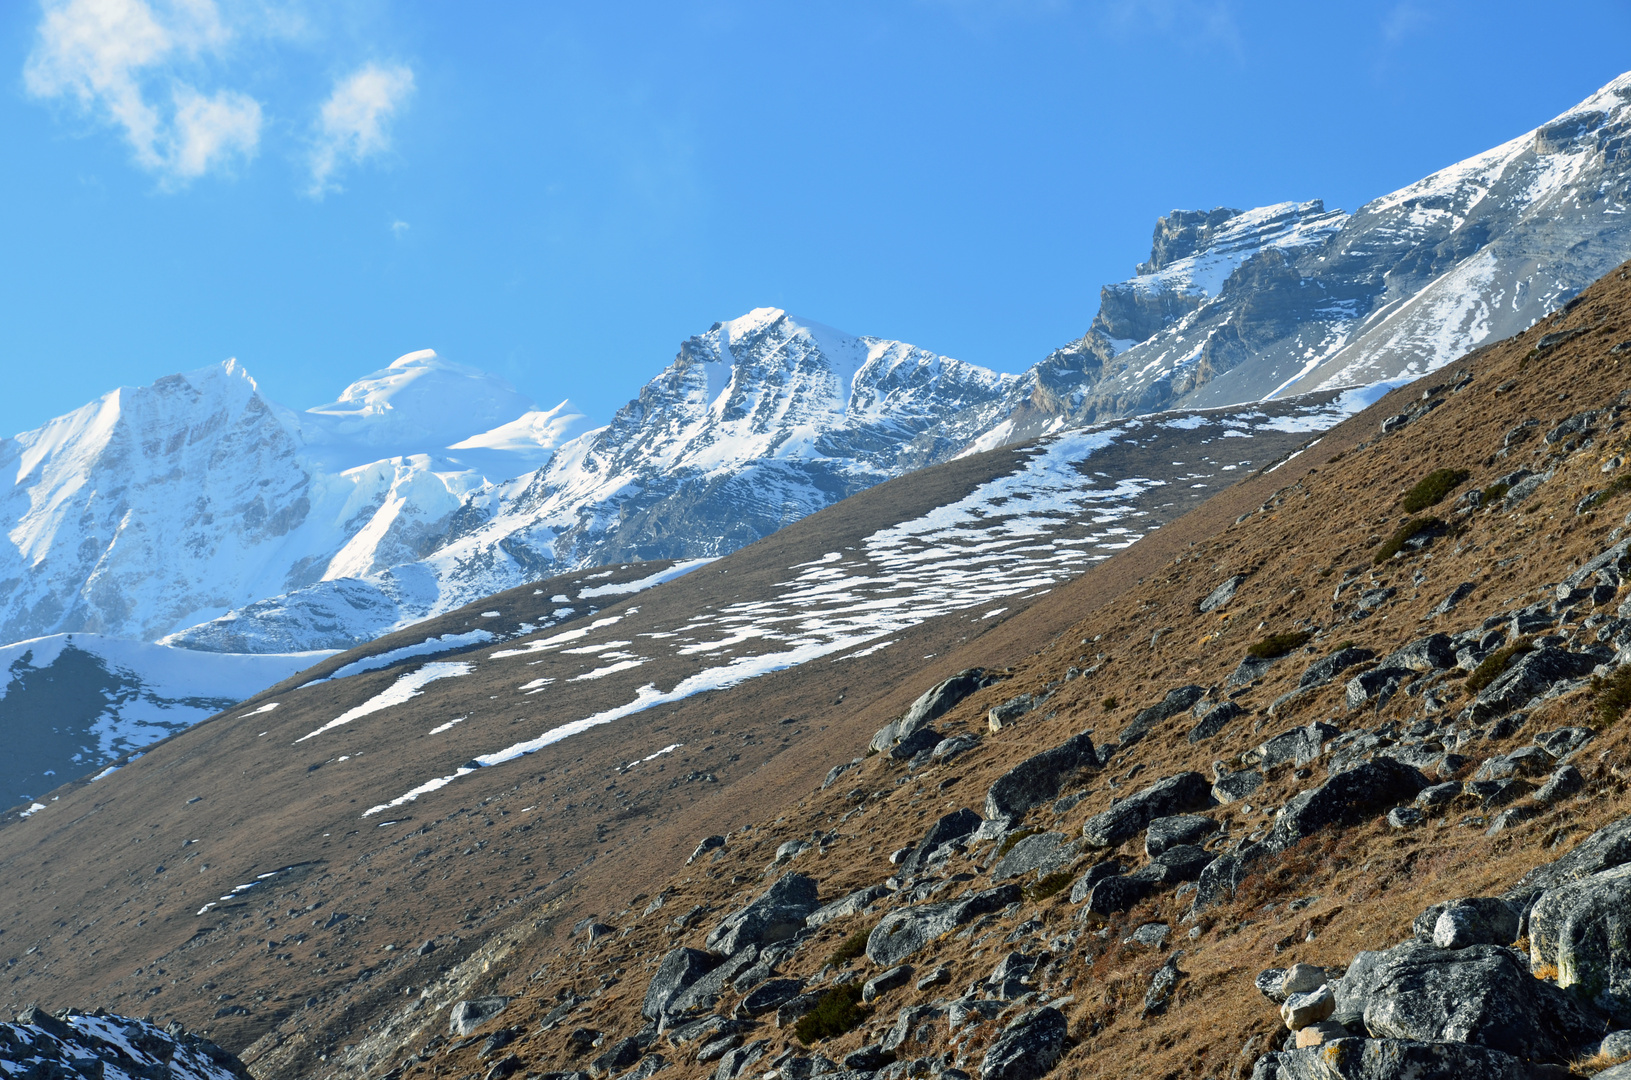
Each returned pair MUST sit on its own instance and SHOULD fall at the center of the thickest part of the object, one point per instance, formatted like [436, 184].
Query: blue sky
[562, 193]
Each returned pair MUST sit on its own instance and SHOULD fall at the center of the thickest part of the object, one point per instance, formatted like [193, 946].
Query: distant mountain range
[198, 513]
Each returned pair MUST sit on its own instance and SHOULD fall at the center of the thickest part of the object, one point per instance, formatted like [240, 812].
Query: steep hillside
[708, 677]
[1382, 677]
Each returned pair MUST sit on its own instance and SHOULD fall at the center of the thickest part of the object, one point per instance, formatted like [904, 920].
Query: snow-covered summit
[155, 507]
[757, 422]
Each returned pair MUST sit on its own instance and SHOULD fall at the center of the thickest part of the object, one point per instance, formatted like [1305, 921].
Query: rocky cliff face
[1236, 306]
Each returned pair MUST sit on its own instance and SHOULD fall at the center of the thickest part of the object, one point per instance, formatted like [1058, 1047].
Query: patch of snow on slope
[405, 687]
[1041, 524]
[679, 569]
[429, 647]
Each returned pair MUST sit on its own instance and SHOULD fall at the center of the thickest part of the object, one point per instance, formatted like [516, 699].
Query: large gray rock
[1214, 717]
[470, 1014]
[1027, 1048]
[924, 738]
[1483, 994]
[949, 828]
[85, 1046]
[1584, 928]
[1175, 702]
[617, 1057]
[1234, 786]
[1604, 849]
[930, 706]
[1172, 867]
[1170, 832]
[904, 931]
[1431, 653]
[1327, 668]
[1298, 746]
[1365, 791]
[1475, 920]
[845, 906]
[1039, 779]
[1042, 853]
[1221, 595]
[1525, 679]
[1128, 818]
[769, 995]
[1390, 1059]
[679, 969]
[707, 990]
[775, 916]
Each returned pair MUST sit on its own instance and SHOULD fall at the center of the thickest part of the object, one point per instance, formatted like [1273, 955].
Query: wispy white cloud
[354, 123]
[118, 60]
[1403, 21]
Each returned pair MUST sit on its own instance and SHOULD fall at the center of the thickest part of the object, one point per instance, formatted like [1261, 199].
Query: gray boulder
[1431, 653]
[1234, 786]
[1131, 816]
[1584, 928]
[1563, 742]
[924, 738]
[1390, 1059]
[1175, 702]
[737, 1062]
[845, 906]
[469, 1015]
[1039, 779]
[1043, 853]
[931, 705]
[679, 969]
[1604, 849]
[707, 844]
[1483, 994]
[775, 916]
[1169, 832]
[1028, 1047]
[1327, 668]
[1562, 783]
[1172, 867]
[707, 990]
[904, 931]
[1221, 595]
[1298, 746]
[1528, 677]
[949, 828]
[906, 1024]
[1476, 920]
[1214, 717]
[885, 981]
[768, 996]
[1348, 798]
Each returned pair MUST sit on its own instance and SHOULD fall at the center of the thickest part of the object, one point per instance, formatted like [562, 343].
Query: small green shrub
[1345, 645]
[1495, 663]
[1402, 535]
[1279, 644]
[838, 1011]
[1432, 488]
[1053, 883]
[852, 947]
[1013, 838]
[1613, 696]
[1495, 493]
[1110, 703]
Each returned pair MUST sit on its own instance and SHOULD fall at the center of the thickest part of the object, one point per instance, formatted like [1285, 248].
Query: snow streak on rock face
[153, 508]
[1292, 298]
[1013, 537]
[758, 422]
[73, 703]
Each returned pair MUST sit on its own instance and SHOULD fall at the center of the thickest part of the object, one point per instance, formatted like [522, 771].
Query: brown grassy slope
[1355, 889]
